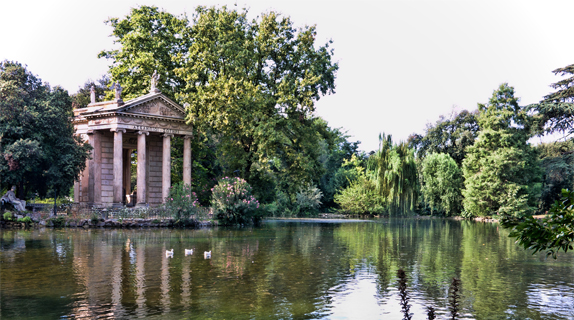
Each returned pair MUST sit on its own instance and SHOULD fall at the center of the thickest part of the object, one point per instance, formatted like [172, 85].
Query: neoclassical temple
[115, 129]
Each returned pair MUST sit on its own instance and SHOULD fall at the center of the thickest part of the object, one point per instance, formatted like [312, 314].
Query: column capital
[122, 130]
[187, 136]
[168, 135]
[144, 132]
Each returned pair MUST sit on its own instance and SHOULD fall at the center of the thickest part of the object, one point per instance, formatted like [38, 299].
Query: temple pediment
[160, 106]
[152, 112]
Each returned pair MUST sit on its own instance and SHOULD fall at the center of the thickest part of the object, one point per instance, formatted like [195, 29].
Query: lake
[304, 269]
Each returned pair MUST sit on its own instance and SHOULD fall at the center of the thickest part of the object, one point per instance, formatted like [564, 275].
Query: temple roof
[145, 105]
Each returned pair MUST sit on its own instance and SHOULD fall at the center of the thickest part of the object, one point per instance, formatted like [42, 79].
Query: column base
[141, 205]
[117, 205]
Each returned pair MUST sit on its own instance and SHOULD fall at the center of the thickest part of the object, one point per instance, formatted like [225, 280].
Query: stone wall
[155, 158]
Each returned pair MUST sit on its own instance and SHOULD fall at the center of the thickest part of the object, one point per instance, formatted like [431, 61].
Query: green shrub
[95, 218]
[181, 203]
[26, 220]
[308, 200]
[233, 203]
[58, 222]
[360, 197]
[8, 216]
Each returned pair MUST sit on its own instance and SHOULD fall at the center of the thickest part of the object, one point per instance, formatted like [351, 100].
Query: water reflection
[281, 270]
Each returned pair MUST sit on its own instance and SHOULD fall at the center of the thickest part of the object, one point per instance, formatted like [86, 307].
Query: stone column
[142, 166]
[118, 167]
[187, 159]
[85, 178]
[128, 170]
[97, 168]
[166, 166]
[77, 191]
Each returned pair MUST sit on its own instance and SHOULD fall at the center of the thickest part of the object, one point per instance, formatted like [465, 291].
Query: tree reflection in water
[281, 270]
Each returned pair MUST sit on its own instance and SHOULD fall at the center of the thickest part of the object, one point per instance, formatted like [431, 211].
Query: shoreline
[63, 221]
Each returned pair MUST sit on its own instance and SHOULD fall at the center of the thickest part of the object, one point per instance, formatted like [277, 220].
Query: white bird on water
[207, 255]
[188, 252]
[169, 253]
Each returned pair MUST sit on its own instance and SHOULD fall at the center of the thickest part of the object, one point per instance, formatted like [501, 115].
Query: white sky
[402, 63]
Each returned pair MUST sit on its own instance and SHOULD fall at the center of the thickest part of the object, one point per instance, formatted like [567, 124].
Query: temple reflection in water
[282, 270]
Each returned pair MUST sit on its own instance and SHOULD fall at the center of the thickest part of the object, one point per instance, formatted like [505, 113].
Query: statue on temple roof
[118, 88]
[154, 82]
[93, 94]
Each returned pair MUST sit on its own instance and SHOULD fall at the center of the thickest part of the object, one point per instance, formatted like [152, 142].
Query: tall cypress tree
[501, 172]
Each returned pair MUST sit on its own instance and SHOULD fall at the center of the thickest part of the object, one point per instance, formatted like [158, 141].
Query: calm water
[282, 270]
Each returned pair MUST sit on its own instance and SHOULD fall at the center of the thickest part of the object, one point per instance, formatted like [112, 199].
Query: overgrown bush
[281, 207]
[360, 197]
[26, 220]
[182, 202]
[308, 200]
[8, 216]
[233, 203]
[58, 222]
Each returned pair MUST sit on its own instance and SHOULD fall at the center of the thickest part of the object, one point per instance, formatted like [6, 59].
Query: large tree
[393, 170]
[39, 149]
[256, 82]
[336, 149]
[250, 85]
[150, 39]
[450, 135]
[557, 162]
[501, 172]
[556, 110]
[442, 184]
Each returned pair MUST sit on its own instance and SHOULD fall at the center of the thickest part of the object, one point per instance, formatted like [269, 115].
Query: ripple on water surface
[330, 269]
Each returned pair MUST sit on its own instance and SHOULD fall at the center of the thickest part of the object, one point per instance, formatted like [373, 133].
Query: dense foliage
[249, 87]
[556, 110]
[501, 172]
[308, 200]
[451, 135]
[181, 203]
[39, 150]
[557, 162]
[232, 202]
[388, 184]
[361, 197]
[441, 184]
[149, 40]
[552, 233]
[336, 151]
[393, 170]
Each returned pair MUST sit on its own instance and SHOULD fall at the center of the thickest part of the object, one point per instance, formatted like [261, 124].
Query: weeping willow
[393, 170]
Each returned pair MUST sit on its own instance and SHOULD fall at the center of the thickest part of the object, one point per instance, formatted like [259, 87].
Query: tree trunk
[55, 199]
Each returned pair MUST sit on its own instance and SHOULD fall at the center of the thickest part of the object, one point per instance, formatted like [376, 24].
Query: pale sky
[401, 63]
